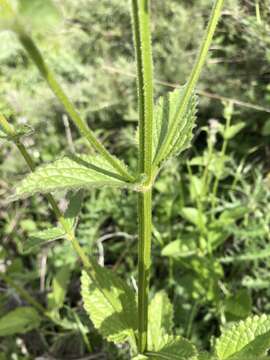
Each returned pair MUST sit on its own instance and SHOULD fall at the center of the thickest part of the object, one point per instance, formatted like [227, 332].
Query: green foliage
[40, 238]
[111, 305]
[175, 349]
[19, 321]
[165, 116]
[160, 321]
[71, 172]
[246, 340]
[211, 217]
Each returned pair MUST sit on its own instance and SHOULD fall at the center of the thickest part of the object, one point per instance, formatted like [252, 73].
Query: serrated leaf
[33, 12]
[110, 304]
[246, 338]
[39, 238]
[19, 321]
[160, 321]
[176, 349]
[71, 172]
[165, 114]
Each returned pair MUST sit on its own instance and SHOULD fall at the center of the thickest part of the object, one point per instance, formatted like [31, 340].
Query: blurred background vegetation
[212, 209]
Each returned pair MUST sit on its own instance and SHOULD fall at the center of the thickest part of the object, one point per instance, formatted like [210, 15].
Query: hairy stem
[195, 74]
[143, 50]
[85, 131]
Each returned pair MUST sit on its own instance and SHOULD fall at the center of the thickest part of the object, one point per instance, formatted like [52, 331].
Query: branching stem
[85, 131]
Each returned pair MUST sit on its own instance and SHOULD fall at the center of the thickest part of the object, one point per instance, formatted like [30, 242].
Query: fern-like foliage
[110, 304]
[165, 115]
[71, 172]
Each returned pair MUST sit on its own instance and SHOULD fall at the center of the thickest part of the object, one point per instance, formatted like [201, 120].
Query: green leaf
[176, 349]
[39, 238]
[35, 13]
[74, 206]
[165, 114]
[193, 215]
[233, 130]
[70, 172]
[110, 304]
[245, 340]
[59, 288]
[239, 305]
[19, 321]
[160, 321]
[180, 248]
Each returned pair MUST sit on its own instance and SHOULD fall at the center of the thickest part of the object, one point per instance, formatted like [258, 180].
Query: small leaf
[160, 321]
[74, 206]
[59, 288]
[39, 238]
[176, 349]
[180, 248]
[233, 130]
[193, 215]
[70, 172]
[246, 338]
[239, 305]
[110, 304]
[165, 114]
[19, 321]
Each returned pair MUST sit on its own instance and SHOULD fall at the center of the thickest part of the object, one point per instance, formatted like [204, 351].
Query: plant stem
[24, 294]
[85, 131]
[27, 157]
[143, 49]
[87, 263]
[195, 74]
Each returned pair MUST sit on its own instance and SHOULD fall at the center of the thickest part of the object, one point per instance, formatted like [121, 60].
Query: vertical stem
[143, 49]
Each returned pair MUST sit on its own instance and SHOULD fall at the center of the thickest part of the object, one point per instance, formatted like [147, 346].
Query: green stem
[195, 74]
[87, 263]
[24, 294]
[143, 49]
[27, 157]
[85, 131]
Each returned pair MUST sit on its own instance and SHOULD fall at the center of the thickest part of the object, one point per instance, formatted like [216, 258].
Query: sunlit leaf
[110, 304]
[165, 115]
[247, 339]
[160, 321]
[71, 172]
[19, 321]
